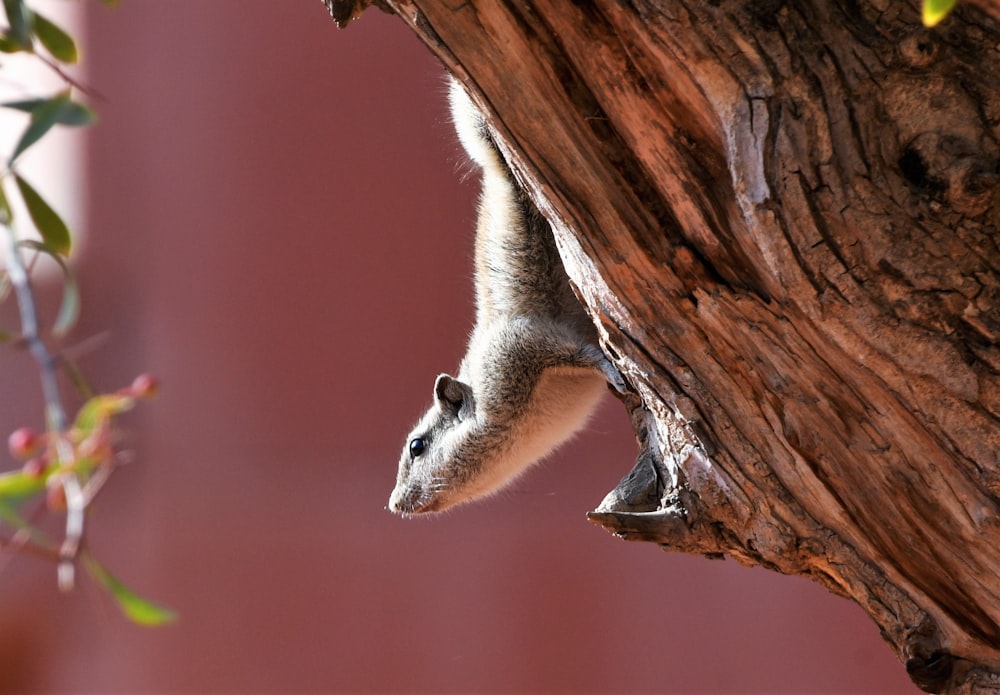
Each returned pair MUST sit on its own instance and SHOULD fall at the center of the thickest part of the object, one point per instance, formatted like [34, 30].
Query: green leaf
[35, 535]
[8, 44]
[54, 231]
[56, 41]
[74, 114]
[97, 411]
[27, 105]
[936, 10]
[17, 486]
[43, 117]
[69, 309]
[6, 216]
[21, 23]
[59, 110]
[12, 516]
[137, 609]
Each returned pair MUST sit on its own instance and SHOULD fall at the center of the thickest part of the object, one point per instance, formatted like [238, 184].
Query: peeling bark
[785, 218]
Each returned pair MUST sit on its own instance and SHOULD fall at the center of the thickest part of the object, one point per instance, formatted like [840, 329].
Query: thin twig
[19, 279]
[54, 410]
[20, 542]
[70, 548]
[89, 91]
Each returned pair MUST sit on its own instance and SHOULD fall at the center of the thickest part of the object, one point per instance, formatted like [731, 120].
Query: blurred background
[277, 226]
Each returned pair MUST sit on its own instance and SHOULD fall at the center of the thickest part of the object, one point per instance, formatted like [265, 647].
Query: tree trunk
[784, 217]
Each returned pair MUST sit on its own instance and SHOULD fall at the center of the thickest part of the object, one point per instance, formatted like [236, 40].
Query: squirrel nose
[410, 499]
[405, 498]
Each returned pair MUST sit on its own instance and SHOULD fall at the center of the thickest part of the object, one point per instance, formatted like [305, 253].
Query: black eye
[417, 447]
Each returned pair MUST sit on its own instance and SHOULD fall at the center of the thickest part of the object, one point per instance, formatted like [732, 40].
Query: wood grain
[784, 217]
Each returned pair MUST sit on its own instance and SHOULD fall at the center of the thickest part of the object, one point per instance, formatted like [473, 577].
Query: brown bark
[785, 217]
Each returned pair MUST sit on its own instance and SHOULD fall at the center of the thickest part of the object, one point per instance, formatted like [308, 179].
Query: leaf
[12, 517]
[59, 110]
[8, 44]
[53, 230]
[43, 117]
[73, 113]
[17, 485]
[69, 309]
[21, 23]
[76, 115]
[6, 216]
[56, 41]
[99, 409]
[137, 609]
[27, 105]
[35, 535]
[936, 10]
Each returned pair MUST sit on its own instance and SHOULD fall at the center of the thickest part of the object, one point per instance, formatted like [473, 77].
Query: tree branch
[55, 412]
[784, 218]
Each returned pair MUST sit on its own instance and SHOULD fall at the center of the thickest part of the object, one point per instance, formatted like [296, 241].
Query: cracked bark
[784, 217]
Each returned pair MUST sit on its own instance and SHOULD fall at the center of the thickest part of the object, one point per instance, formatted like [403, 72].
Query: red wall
[279, 229]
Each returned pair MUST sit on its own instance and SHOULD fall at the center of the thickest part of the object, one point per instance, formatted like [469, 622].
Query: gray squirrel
[533, 372]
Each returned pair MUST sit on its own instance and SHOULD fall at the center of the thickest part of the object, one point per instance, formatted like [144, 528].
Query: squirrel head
[439, 456]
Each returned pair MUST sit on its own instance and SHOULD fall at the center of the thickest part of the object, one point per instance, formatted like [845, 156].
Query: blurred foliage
[64, 467]
[936, 10]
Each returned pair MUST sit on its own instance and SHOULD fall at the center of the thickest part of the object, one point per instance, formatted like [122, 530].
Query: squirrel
[533, 372]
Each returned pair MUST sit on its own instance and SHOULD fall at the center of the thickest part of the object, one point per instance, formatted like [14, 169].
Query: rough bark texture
[785, 218]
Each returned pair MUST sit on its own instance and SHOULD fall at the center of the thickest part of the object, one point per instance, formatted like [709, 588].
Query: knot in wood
[932, 672]
[952, 169]
[919, 49]
[928, 665]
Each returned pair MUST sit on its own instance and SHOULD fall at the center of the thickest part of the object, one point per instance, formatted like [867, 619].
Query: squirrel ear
[453, 395]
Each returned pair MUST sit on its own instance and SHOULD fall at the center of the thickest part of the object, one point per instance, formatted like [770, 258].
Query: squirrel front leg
[521, 351]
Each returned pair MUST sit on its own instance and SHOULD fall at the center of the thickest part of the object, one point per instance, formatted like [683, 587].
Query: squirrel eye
[417, 447]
